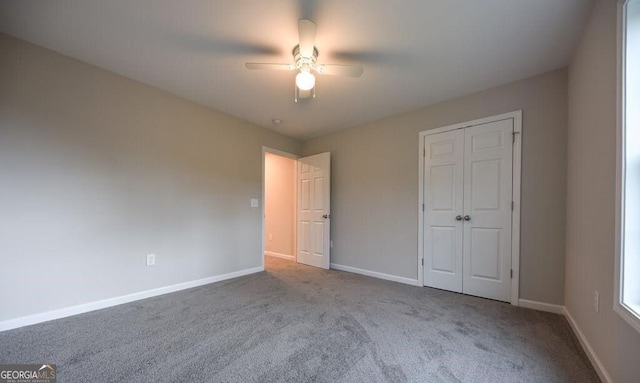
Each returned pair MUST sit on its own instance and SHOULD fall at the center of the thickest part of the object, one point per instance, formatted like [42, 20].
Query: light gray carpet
[295, 323]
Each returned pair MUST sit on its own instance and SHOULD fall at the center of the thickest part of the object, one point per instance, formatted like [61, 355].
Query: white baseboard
[541, 306]
[593, 357]
[375, 274]
[279, 255]
[91, 306]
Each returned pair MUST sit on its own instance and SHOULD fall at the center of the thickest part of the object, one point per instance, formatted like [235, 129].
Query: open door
[314, 213]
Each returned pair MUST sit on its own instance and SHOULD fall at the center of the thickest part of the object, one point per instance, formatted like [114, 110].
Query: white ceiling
[414, 52]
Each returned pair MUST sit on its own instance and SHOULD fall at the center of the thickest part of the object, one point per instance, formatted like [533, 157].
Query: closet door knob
[467, 218]
[458, 218]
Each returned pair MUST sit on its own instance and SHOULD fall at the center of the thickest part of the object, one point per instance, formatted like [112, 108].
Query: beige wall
[591, 196]
[279, 204]
[99, 170]
[375, 183]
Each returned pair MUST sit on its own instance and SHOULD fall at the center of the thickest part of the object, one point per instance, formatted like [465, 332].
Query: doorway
[470, 207]
[296, 215]
[279, 231]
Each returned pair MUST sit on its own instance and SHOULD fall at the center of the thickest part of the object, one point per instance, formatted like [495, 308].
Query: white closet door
[487, 210]
[443, 179]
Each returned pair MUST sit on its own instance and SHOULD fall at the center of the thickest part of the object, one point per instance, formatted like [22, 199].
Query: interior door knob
[467, 218]
[458, 218]
[326, 216]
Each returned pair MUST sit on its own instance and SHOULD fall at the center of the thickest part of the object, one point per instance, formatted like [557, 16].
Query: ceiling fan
[305, 57]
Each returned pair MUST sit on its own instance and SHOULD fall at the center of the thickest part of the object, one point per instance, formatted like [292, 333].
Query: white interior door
[443, 179]
[487, 210]
[467, 216]
[314, 217]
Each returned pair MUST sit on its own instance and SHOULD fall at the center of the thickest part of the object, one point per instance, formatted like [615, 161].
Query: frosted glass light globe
[305, 80]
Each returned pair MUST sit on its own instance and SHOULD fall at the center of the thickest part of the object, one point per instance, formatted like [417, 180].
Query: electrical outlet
[596, 301]
[270, 237]
[151, 259]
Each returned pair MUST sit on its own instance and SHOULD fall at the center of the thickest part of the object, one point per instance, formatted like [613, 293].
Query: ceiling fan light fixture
[305, 80]
[305, 56]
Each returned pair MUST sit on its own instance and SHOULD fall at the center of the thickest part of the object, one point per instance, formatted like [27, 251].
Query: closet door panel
[488, 152]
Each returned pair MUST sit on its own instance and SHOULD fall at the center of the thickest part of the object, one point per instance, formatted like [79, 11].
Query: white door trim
[516, 116]
[266, 149]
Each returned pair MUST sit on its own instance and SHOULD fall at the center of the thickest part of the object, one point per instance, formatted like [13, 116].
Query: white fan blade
[341, 70]
[270, 66]
[307, 36]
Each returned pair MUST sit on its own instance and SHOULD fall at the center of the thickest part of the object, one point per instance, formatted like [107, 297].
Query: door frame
[266, 149]
[516, 116]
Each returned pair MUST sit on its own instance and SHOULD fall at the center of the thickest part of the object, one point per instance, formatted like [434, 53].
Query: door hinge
[513, 135]
[512, 206]
[422, 207]
[422, 261]
[424, 152]
[511, 273]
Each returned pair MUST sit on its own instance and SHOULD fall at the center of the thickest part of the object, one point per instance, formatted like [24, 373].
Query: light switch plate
[254, 202]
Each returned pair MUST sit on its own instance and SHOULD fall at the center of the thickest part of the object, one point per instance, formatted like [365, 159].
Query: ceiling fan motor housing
[305, 63]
